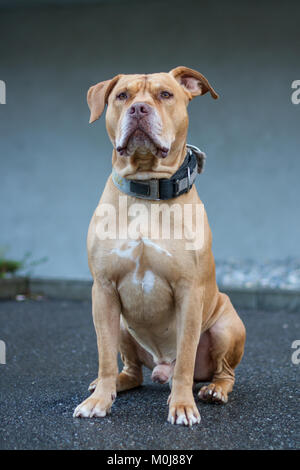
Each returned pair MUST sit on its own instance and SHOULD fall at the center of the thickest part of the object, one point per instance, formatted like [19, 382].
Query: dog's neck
[164, 188]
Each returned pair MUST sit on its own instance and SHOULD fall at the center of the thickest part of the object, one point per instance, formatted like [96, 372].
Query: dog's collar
[165, 188]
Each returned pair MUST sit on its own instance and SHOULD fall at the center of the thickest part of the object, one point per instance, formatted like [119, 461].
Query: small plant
[10, 267]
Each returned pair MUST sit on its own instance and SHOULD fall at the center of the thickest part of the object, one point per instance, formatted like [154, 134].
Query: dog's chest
[142, 268]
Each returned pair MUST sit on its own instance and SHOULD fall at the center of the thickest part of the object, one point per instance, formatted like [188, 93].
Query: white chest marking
[148, 281]
[127, 253]
[155, 246]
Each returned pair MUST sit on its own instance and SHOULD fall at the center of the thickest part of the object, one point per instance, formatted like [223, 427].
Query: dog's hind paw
[213, 393]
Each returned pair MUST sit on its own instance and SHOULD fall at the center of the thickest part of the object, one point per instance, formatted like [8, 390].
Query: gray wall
[54, 164]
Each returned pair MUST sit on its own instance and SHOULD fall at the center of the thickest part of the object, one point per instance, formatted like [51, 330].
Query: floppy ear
[193, 82]
[97, 97]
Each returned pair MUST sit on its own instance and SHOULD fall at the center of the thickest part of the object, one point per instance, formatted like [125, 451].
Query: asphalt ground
[51, 357]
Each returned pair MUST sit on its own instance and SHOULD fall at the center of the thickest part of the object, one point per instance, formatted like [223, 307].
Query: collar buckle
[189, 178]
[154, 189]
[177, 186]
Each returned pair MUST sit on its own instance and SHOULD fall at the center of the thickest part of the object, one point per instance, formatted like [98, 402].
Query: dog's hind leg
[133, 357]
[227, 338]
[132, 374]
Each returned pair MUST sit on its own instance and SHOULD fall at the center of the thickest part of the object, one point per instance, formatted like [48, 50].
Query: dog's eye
[165, 94]
[122, 96]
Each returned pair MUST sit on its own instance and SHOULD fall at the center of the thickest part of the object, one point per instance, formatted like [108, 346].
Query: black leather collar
[165, 188]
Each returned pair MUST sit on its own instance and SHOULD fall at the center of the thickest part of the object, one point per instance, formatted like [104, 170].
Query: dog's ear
[97, 97]
[193, 82]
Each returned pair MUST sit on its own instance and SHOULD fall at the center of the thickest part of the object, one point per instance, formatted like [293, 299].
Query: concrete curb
[263, 298]
[10, 287]
[241, 297]
[61, 288]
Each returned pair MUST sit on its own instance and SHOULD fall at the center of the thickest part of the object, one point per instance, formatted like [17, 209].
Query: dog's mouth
[139, 141]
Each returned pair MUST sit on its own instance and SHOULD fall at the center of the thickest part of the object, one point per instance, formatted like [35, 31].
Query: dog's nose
[139, 109]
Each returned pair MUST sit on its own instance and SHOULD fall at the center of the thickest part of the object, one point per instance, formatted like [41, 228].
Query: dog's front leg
[106, 315]
[182, 406]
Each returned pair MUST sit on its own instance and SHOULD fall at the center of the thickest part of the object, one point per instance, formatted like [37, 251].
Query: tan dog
[154, 300]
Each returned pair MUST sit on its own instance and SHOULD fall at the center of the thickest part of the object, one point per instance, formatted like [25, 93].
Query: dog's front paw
[183, 412]
[94, 407]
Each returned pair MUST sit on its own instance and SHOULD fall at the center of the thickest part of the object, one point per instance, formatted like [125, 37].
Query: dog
[153, 299]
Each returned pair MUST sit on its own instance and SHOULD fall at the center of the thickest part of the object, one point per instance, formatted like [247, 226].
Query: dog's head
[147, 116]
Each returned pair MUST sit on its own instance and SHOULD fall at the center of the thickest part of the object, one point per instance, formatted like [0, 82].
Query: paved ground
[52, 357]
